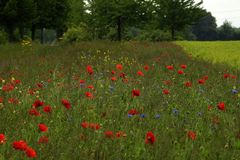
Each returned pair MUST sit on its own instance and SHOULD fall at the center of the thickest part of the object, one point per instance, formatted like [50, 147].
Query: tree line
[109, 19]
[205, 29]
[32, 15]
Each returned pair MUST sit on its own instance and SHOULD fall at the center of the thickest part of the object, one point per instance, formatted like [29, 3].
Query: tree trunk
[10, 31]
[59, 32]
[42, 34]
[33, 29]
[119, 28]
[173, 32]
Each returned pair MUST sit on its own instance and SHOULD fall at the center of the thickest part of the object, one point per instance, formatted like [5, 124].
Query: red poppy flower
[140, 73]
[113, 78]
[170, 67]
[31, 153]
[1, 100]
[34, 112]
[183, 66]
[8, 87]
[89, 69]
[150, 138]
[20, 145]
[47, 109]
[205, 78]
[226, 75]
[92, 125]
[113, 72]
[38, 103]
[122, 75]
[165, 91]
[119, 67]
[88, 94]
[233, 76]
[2, 139]
[119, 134]
[40, 85]
[188, 84]
[43, 127]
[210, 107]
[109, 134]
[133, 112]
[43, 139]
[97, 126]
[90, 87]
[191, 135]
[84, 124]
[13, 101]
[201, 81]
[180, 72]
[135, 92]
[66, 103]
[221, 106]
[146, 67]
[31, 91]
[17, 81]
[81, 81]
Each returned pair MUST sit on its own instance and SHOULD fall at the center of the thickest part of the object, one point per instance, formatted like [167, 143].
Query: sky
[224, 10]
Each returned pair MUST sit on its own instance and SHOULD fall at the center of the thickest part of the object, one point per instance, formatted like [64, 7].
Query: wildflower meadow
[116, 101]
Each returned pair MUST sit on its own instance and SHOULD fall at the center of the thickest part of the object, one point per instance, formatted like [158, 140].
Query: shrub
[112, 34]
[155, 35]
[76, 34]
[132, 33]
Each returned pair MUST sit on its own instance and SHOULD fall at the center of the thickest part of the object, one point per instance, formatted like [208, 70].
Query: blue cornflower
[111, 88]
[82, 84]
[158, 116]
[142, 115]
[175, 112]
[200, 113]
[130, 115]
[234, 91]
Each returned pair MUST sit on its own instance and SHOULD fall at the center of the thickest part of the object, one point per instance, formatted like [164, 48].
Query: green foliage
[76, 34]
[52, 13]
[111, 35]
[175, 15]
[237, 34]
[17, 13]
[33, 14]
[46, 11]
[8, 12]
[187, 34]
[155, 35]
[26, 12]
[113, 19]
[117, 14]
[3, 36]
[205, 28]
[132, 33]
[226, 31]
[77, 14]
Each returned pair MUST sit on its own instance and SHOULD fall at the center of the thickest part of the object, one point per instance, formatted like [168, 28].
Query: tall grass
[217, 52]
